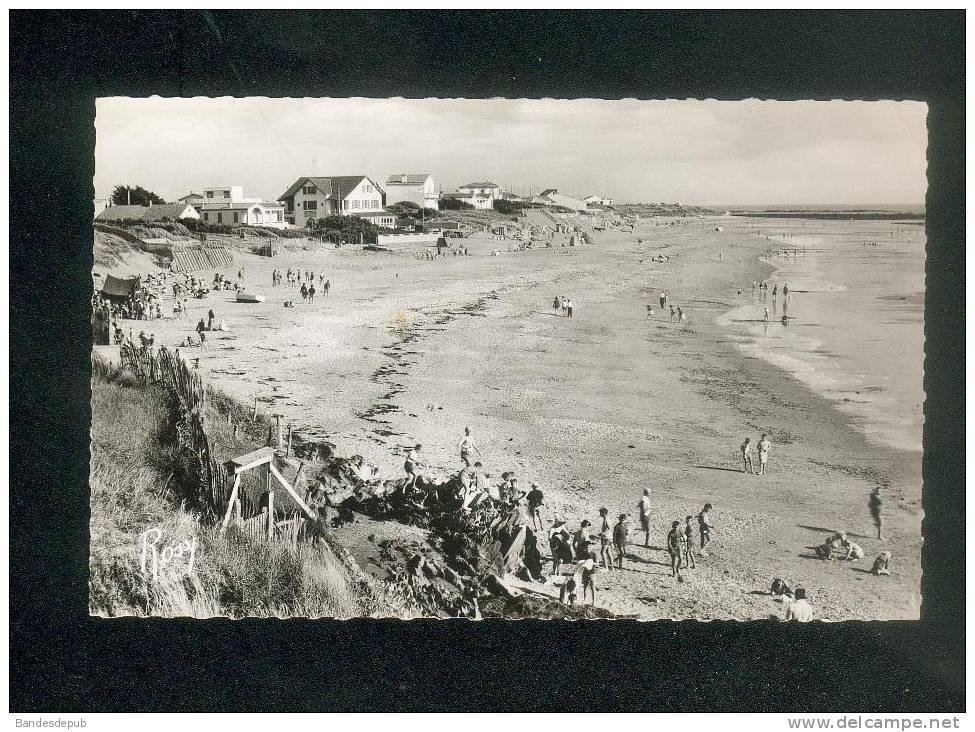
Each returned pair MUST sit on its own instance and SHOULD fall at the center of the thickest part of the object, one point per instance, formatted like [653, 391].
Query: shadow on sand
[718, 467]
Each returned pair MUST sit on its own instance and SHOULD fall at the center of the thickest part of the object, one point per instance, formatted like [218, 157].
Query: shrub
[508, 207]
[454, 204]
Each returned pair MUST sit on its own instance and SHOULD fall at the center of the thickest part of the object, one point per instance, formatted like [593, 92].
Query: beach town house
[344, 195]
[599, 200]
[480, 195]
[229, 205]
[417, 188]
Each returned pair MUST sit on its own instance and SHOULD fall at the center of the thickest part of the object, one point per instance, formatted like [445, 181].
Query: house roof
[191, 194]
[483, 184]
[412, 179]
[144, 213]
[239, 205]
[331, 186]
[455, 195]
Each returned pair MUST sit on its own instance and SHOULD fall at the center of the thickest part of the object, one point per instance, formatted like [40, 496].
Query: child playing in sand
[746, 456]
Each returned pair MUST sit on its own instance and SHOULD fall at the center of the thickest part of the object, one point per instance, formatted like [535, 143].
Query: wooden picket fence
[215, 483]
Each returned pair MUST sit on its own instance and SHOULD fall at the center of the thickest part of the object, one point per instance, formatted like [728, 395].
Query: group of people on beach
[676, 313]
[764, 446]
[562, 304]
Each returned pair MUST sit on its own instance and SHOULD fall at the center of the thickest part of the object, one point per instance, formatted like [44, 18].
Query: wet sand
[594, 408]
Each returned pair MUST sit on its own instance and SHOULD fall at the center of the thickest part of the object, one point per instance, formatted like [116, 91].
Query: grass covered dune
[135, 468]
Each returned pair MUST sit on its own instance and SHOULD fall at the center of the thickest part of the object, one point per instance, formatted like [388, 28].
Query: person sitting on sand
[650, 311]
[567, 594]
[675, 547]
[704, 527]
[764, 445]
[581, 540]
[621, 534]
[827, 550]
[800, 610]
[467, 447]
[854, 552]
[780, 590]
[643, 507]
[881, 565]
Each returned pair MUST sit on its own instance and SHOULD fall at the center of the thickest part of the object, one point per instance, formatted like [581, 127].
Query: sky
[704, 152]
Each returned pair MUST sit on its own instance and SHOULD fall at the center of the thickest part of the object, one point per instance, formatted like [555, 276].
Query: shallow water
[856, 318]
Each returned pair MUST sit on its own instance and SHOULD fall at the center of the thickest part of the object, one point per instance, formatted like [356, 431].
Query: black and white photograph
[440, 360]
[507, 359]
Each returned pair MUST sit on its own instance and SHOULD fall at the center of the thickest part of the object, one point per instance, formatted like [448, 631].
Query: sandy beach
[594, 408]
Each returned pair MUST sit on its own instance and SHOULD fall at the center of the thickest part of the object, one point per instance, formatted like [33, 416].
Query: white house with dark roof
[417, 188]
[482, 188]
[156, 212]
[315, 197]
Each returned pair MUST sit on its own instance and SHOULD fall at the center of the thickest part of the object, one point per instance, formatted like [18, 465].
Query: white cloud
[717, 152]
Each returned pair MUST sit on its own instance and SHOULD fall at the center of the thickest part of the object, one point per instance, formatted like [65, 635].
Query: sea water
[855, 328]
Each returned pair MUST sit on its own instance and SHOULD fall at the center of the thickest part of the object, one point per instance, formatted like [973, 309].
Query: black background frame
[61, 659]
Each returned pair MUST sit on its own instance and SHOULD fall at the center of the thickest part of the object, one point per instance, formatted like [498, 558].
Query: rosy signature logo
[157, 555]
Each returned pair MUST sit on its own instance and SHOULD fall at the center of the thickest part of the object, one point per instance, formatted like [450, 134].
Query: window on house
[209, 194]
[219, 218]
[226, 194]
[355, 205]
[236, 217]
[277, 215]
[206, 215]
[308, 190]
[345, 205]
[309, 205]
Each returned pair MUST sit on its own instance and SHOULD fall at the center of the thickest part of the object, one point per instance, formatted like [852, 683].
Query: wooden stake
[288, 453]
[255, 410]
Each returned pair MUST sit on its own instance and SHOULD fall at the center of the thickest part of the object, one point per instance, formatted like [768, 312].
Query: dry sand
[594, 408]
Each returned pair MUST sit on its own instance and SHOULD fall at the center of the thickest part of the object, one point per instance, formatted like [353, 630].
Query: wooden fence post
[255, 410]
[288, 453]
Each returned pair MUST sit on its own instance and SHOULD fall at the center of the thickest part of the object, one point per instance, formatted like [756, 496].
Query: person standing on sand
[688, 543]
[556, 303]
[746, 456]
[568, 308]
[412, 464]
[558, 543]
[467, 447]
[775, 290]
[764, 446]
[621, 534]
[210, 318]
[675, 537]
[304, 292]
[875, 503]
[766, 313]
[663, 300]
[328, 286]
[535, 500]
[588, 577]
[704, 528]
[605, 539]
[673, 312]
[644, 508]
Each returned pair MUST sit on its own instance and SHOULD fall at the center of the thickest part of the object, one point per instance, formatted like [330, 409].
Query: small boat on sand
[244, 296]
